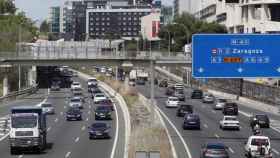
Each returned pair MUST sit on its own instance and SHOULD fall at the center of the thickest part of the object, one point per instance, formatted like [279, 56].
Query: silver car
[208, 98]
[220, 103]
[48, 108]
[76, 102]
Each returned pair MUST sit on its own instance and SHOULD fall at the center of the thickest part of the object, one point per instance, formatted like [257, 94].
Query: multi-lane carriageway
[188, 142]
[68, 139]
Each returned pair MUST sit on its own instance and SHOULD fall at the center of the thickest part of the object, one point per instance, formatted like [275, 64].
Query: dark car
[94, 91]
[140, 82]
[74, 114]
[55, 86]
[169, 91]
[230, 109]
[91, 87]
[99, 130]
[163, 83]
[191, 121]
[184, 109]
[262, 120]
[197, 94]
[103, 113]
[214, 150]
[107, 102]
[180, 95]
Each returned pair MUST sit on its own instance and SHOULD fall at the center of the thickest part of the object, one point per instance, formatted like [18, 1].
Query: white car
[99, 97]
[220, 103]
[47, 108]
[172, 102]
[76, 102]
[229, 122]
[258, 146]
[76, 85]
[92, 82]
[208, 98]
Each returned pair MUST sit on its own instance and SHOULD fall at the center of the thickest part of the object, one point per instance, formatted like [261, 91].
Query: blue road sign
[236, 55]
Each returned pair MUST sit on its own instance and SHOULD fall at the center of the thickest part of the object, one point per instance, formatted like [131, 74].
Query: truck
[28, 129]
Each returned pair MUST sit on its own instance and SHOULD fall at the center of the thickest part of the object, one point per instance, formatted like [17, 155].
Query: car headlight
[109, 113]
[106, 131]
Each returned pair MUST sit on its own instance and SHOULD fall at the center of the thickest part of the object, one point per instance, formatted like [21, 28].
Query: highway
[210, 131]
[68, 139]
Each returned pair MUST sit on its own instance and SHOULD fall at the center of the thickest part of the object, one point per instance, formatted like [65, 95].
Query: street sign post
[236, 55]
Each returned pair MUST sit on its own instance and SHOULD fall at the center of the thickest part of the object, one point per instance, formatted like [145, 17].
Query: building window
[129, 18]
[103, 29]
[124, 33]
[103, 19]
[91, 29]
[135, 18]
[129, 13]
[129, 29]
[108, 23]
[124, 18]
[124, 29]
[124, 23]
[103, 24]
[108, 18]
[129, 33]
[97, 19]
[91, 23]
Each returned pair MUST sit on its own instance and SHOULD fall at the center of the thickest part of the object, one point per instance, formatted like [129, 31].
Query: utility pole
[152, 93]
[19, 50]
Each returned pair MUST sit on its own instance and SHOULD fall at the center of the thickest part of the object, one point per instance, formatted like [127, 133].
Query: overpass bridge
[86, 54]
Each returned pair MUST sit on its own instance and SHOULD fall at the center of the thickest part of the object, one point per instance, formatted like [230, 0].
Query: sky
[38, 9]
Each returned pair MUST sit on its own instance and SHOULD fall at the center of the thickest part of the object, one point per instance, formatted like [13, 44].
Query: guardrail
[32, 89]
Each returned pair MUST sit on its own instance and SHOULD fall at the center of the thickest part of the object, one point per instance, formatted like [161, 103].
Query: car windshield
[76, 84]
[28, 121]
[230, 119]
[222, 100]
[186, 107]
[216, 146]
[98, 125]
[74, 110]
[261, 117]
[92, 80]
[75, 100]
[259, 142]
[173, 99]
[103, 108]
[46, 105]
[99, 95]
[78, 94]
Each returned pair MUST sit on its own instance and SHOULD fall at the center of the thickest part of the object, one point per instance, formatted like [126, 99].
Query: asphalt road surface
[68, 139]
[210, 131]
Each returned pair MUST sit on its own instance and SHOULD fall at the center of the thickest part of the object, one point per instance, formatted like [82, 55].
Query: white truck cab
[258, 147]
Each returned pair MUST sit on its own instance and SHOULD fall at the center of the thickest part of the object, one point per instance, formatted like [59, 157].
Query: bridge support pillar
[5, 85]
[152, 94]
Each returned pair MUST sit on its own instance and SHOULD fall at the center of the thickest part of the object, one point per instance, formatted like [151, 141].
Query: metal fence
[16, 94]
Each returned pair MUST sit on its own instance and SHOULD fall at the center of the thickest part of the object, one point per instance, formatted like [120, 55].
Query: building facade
[243, 16]
[150, 26]
[55, 19]
[115, 22]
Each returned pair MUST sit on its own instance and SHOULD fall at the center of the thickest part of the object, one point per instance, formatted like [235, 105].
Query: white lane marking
[88, 112]
[83, 128]
[67, 154]
[217, 136]
[77, 139]
[213, 111]
[275, 151]
[56, 119]
[20, 156]
[87, 119]
[89, 107]
[61, 113]
[64, 107]
[4, 137]
[49, 129]
[205, 125]
[230, 149]
[178, 133]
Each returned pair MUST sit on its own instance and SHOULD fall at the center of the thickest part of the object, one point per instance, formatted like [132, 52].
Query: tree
[7, 6]
[184, 26]
[44, 27]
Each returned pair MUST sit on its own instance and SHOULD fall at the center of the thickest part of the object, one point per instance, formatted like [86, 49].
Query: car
[229, 122]
[208, 98]
[191, 121]
[214, 150]
[163, 83]
[103, 113]
[220, 103]
[184, 109]
[197, 94]
[172, 102]
[262, 119]
[180, 95]
[79, 94]
[99, 130]
[76, 85]
[75, 74]
[94, 91]
[230, 108]
[92, 82]
[103, 69]
[107, 102]
[169, 91]
[99, 97]
[55, 86]
[258, 146]
[76, 102]
[132, 83]
[140, 82]
[74, 114]
[47, 108]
